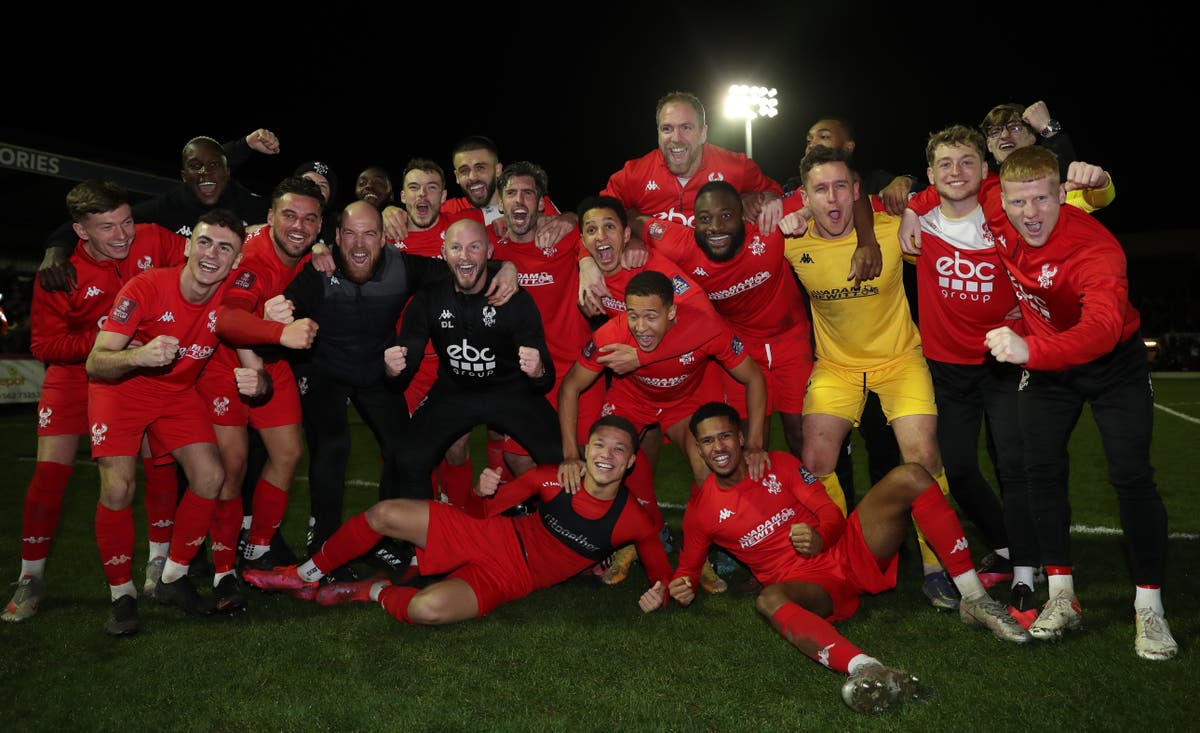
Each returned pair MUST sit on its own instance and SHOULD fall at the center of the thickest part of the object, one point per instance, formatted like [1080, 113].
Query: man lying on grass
[492, 559]
[813, 563]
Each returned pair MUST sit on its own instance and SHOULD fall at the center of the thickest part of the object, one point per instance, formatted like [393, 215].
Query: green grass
[580, 656]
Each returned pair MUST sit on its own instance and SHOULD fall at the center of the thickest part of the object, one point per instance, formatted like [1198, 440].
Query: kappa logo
[446, 319]
[700, 272]
[163, 523]
[302, 385]
[116, 560]
[1046, 279]
[145, 263]
[334, 281]
[44, 417]
[167, 317]
[220, 405]
[725, 514]
[771, 481]
[92, 292]
[36, 540]
[98, 431]
[651, 186]
[960, 545]
[806, 258]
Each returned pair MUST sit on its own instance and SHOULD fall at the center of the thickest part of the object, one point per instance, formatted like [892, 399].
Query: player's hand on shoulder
[570, 474]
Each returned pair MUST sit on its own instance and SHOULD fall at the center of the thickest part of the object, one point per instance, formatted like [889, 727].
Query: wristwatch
[1052, 128]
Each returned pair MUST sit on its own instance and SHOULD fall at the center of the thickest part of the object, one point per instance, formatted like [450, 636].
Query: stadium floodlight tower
[749, 102]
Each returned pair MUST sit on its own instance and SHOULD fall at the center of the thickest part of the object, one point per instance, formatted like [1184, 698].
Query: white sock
[1023, 574]
[309, 571]
[859, 661]
[253, 552]
[377, 588]
[218, 577]
[246, 520]
[173, 571]
[968, 585]
[124, 589]
[159, 549]
[33, 567]
[1002, 552]
[1060, 584]
[1146, 597]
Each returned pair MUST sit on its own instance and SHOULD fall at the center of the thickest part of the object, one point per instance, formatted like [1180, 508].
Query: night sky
[576, 94]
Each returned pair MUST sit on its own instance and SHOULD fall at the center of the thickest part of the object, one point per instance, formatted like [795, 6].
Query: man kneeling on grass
[492, 559]
[812, 562]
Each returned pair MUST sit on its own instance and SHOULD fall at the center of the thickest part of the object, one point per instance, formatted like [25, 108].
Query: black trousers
[327, 433]
[883, 452]
[971, 396]
[1118, 389]
[448, 412]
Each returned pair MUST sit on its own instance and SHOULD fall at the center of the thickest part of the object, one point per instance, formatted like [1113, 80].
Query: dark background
[573, 88]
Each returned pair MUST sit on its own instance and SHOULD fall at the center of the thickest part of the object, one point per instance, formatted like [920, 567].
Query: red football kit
[753, 519]
[64, 325]
[674, 379]
[648, 186]
[261, 276]
[756, 292]
[160, 402]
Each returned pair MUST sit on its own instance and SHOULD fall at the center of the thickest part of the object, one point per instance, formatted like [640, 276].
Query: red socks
[192, 520]
[114, 537]
[815, 637]
[226, 524]
[270, 502]
[43, 508]
[395, 600]
[942, 530]
[353, 539]
[162, 496]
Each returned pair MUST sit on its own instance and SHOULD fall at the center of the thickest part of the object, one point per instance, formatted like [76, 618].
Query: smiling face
[374, 187]
[212, 252]
[360, 241]
[107, 235]
[720, 443]
[608, 455]
[649, 319]
[605, 238]
[720, 229]
[205, 171]
[466, 251]
[295, 221]
[956, 173]
[475, 172]
[1004, 138]
[681, 138]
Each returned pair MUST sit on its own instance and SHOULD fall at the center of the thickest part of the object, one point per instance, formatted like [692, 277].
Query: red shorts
[859, 572]
[483, 553]
[119, 418]
[422, 381]
[634, 406]
[224, 406]
[786, 362]
[63, 405]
